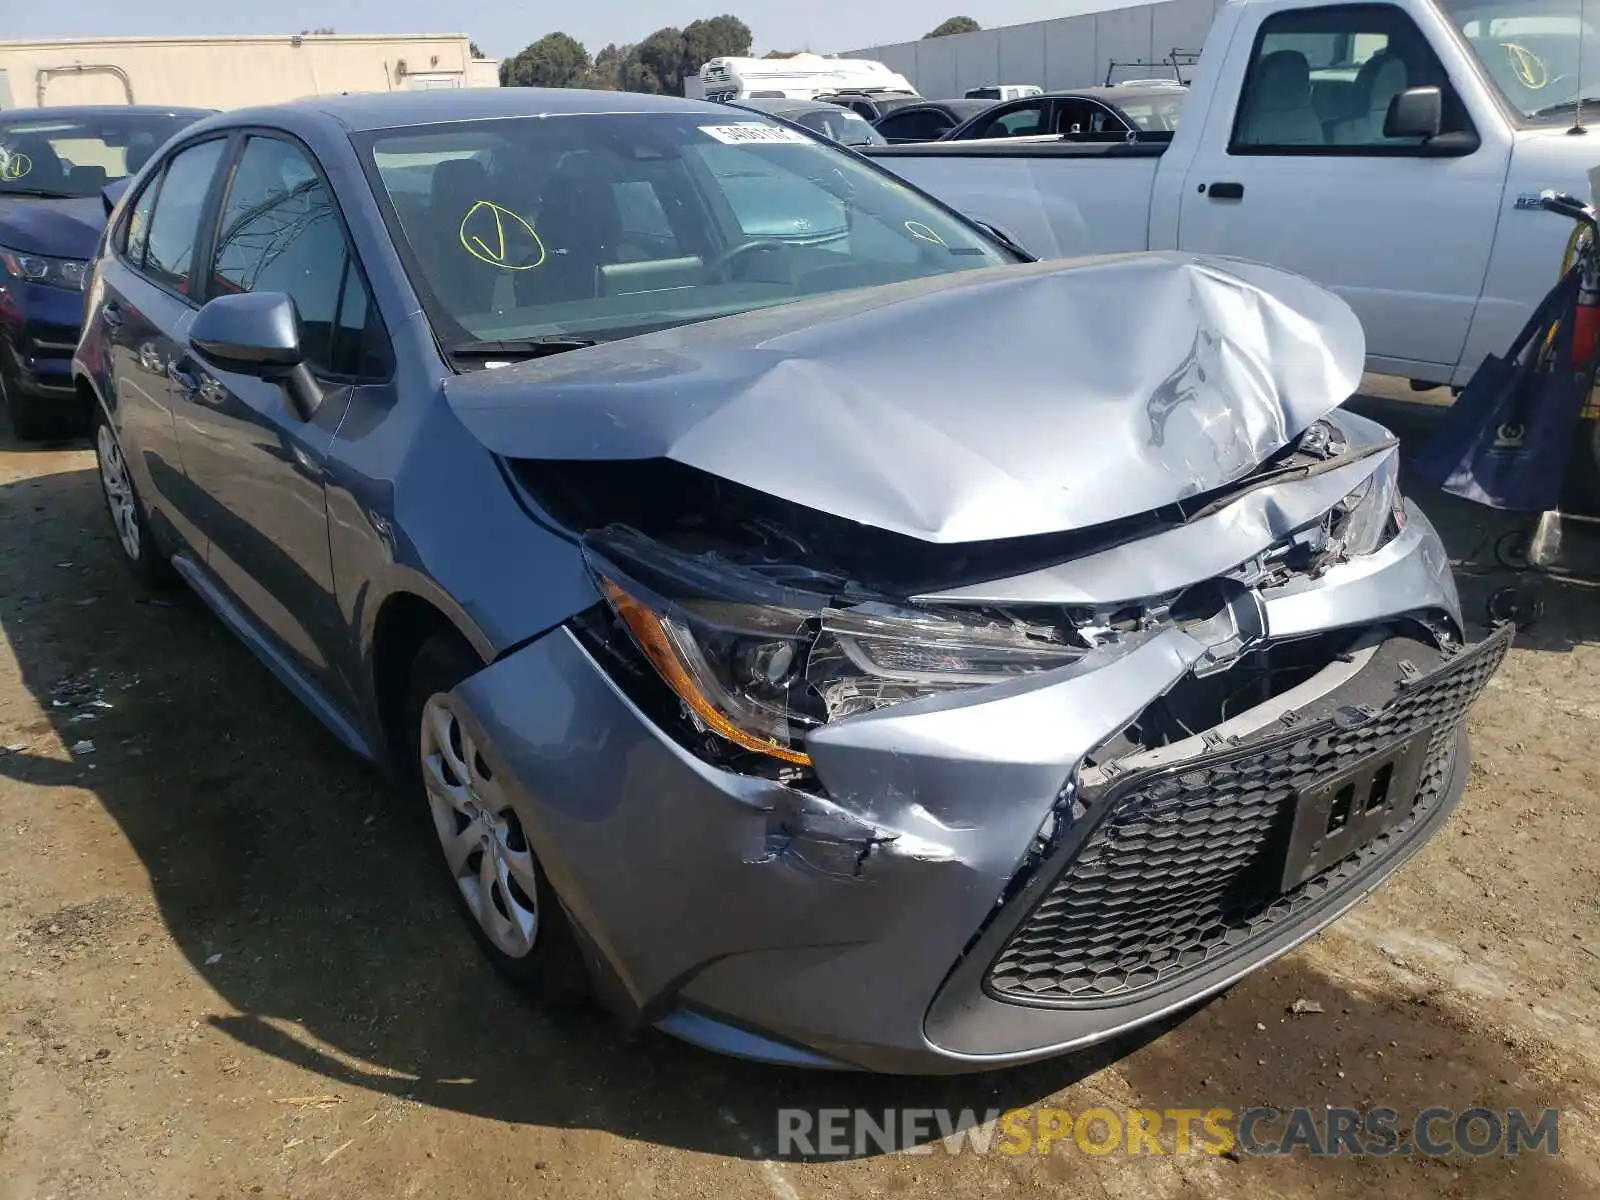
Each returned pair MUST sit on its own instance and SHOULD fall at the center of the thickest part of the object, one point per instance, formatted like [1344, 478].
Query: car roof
[79, 112]
[389, 110]
[962, 106]
[774, 104]
[1117, 93]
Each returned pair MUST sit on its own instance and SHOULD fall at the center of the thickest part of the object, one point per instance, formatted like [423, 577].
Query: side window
[1016, 122]
[136, 229]
[280, 232]
[1076, 117]
[1323, 78]
[175, 221]
[923, 125]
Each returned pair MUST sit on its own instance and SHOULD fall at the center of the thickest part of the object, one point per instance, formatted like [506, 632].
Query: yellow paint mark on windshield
[1531, 70]
[500, 237]
[923, 233]
[14, 165]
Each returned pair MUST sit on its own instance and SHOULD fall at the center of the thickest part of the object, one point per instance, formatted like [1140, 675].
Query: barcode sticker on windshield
[754, 133]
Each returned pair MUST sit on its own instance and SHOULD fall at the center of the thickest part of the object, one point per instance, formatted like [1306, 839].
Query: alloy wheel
[119, 491]
[480, 835]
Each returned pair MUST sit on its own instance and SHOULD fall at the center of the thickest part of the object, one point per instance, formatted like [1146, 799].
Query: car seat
[1277, 106]
[464, 283]
[580, 228]
[1381, 78]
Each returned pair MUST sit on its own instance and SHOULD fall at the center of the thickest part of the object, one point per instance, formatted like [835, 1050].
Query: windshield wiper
[537, 347]
[1551, 109]
[41, 193]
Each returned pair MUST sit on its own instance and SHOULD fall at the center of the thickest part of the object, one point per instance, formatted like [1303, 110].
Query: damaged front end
[919, 733]
[965, 774]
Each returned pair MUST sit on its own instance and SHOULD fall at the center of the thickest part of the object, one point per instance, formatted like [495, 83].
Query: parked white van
[800, 77]
[1004, 91]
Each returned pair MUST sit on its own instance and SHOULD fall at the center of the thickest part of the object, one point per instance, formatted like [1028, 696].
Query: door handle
[111, 314]
[1226, 191]
[188, 382]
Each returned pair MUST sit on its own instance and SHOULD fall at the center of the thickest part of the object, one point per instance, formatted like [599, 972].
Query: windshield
[607, 225]
[842, 125]
[1540, 53]
[1158, 114]
[77, 157]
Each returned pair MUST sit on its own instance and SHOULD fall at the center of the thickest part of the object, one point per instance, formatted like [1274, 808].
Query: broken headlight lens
[1374, 513]
[760, 662]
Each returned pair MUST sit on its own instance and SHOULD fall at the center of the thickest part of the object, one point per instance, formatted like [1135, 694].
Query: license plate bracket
[1339, 815]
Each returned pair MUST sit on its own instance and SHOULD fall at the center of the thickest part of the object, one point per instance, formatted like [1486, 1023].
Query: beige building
[233, 72]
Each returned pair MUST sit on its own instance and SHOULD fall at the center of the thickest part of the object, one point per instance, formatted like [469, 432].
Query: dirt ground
[225, 970]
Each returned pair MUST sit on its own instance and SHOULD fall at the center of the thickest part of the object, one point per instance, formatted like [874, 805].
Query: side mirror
[1416, 112]
[112, 192]
[253, 333]
[257, 333]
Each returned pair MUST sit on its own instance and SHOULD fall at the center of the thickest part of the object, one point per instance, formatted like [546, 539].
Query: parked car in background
[871, 103]
[842, 125]
[54, 163]
[928, 120]
[798, 77]
[1148, 109]
[1003, 91]
[805, 682]
[1413, 138]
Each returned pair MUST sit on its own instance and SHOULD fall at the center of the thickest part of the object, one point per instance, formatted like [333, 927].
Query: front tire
[492, 872]
[29, 420]
[129, 523]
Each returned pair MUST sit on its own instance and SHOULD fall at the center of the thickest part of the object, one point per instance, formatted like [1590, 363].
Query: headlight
[759, 662]
[1374, 513]
[68, 273]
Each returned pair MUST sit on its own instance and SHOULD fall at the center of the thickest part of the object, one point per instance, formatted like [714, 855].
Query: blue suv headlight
[68, 273]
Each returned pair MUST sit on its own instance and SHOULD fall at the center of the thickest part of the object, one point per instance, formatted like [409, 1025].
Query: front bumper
[39, 329]
[861, 925]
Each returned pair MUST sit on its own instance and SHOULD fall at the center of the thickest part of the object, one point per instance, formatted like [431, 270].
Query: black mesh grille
[1184, 865]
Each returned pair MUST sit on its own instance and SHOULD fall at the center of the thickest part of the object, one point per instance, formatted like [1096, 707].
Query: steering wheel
[720, 264]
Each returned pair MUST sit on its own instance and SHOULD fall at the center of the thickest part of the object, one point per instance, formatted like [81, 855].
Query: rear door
[1302, 176]
[260, 464]
[148, 306]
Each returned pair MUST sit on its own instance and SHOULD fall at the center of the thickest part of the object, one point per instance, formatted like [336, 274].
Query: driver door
[1305, 179]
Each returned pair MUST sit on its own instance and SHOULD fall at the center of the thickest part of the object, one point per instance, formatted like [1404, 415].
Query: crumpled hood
[965, 407]
[60, 228]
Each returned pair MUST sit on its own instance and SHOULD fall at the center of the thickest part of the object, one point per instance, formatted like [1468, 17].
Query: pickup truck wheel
[493, 873]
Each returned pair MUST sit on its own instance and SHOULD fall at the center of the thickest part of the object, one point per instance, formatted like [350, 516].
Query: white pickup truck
[1391, 151]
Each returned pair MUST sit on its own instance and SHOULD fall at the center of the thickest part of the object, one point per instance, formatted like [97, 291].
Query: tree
[555, 60]
[472, 49]
[782, 53]
[718, 37]
[659, 63]
[954, 25]
[324, 31]
[606, 74]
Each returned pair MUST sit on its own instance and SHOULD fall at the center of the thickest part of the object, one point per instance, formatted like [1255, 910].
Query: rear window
[68, 156]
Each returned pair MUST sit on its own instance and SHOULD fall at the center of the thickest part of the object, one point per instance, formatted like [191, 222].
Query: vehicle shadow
[268, 845]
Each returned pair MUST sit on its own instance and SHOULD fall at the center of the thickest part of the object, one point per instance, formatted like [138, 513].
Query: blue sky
[504, 28]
